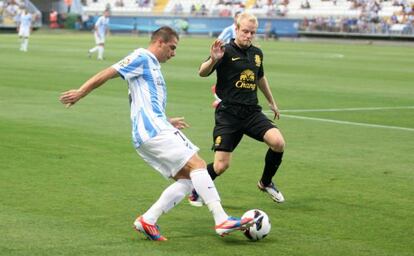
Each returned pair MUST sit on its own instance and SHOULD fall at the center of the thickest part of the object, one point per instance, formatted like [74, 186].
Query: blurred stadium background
[278, 18]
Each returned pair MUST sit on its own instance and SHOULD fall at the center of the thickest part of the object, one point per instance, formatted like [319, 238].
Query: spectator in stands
[1, 8]
[108, 7]
[178, 8]
[305, 5]
[68, 4]
[10, 13]
[53, 19]
[119, 3]
[225, 12]
[101, 30]
[24, 29]
[203, 10]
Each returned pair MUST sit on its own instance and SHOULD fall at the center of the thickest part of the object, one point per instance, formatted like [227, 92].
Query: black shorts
[233, 121]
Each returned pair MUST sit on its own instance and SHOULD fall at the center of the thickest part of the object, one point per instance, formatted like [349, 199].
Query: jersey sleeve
[131, 66]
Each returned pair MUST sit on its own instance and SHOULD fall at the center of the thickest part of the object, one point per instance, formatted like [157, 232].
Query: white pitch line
[351, 123]
[342, 109]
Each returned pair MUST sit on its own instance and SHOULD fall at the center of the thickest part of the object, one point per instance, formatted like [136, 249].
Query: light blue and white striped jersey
[25, 20]
[102, 25]
[228, 33]
[147, 94]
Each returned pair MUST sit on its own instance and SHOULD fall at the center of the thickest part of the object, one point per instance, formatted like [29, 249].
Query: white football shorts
[24, 31]
[167, 152]
[99, 39]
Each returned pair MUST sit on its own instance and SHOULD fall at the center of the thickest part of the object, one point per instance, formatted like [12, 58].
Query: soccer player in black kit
[239, 69]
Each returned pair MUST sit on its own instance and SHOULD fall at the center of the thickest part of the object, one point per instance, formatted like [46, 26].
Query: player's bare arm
[70, 97]
[216, 53]
[265, 88]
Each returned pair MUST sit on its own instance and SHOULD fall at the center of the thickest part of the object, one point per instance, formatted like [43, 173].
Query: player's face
[245, 33]
[168, 50]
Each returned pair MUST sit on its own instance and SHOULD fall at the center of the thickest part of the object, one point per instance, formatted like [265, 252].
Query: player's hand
[178, 122]
[275, 110]
[217, 50]
[69, 98]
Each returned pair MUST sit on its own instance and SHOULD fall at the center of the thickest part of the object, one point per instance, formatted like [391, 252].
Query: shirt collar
[233, 43]
[152, 56]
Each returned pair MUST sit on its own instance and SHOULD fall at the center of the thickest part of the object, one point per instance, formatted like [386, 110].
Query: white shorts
[167, 152]
[99, 40]
[24, 31]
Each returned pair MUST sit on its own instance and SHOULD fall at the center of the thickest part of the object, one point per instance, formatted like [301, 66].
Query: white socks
[100, 52]
[24, 44]
[94, 49]
[204, 186]
[171, 196]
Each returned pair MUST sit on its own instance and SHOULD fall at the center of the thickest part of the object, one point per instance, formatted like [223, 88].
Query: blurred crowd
[11, 11]
[365, 16]
[368, 20]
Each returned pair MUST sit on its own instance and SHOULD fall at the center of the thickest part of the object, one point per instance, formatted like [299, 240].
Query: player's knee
[278, 145]
[221, 167]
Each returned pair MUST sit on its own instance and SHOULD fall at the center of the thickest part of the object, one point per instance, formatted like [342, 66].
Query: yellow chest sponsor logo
[246, 80]
[235, 58]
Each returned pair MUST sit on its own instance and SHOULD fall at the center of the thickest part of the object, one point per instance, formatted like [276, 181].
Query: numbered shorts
[167, 152]
[99, 39]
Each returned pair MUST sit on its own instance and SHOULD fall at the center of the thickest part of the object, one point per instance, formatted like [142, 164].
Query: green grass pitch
[72, 184]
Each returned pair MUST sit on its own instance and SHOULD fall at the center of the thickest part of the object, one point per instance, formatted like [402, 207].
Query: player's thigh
[99, 39]
[24, 32]
[194, 163]
[168, 152]
[257, 125]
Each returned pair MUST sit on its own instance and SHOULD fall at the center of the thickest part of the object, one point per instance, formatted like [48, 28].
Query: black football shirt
[238, 73]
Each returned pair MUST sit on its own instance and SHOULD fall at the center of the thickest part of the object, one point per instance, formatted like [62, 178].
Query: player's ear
[160, 42]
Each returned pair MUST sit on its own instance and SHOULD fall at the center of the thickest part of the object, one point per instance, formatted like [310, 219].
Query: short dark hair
[165, 33]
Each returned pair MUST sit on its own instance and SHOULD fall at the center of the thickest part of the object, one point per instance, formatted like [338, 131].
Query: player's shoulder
[256, 50]
[229, 49]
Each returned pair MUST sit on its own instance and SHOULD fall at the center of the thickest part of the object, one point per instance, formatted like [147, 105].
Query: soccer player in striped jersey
[157, 138]
[101, 30]
[24, 29]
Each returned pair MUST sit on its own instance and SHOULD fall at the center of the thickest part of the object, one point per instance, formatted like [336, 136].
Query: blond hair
[247, 16]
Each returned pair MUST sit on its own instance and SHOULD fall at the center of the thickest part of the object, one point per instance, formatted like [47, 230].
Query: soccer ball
[261, 226]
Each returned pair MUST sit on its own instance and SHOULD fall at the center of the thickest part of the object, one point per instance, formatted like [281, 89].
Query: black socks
[210, 169]
[272, 162]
